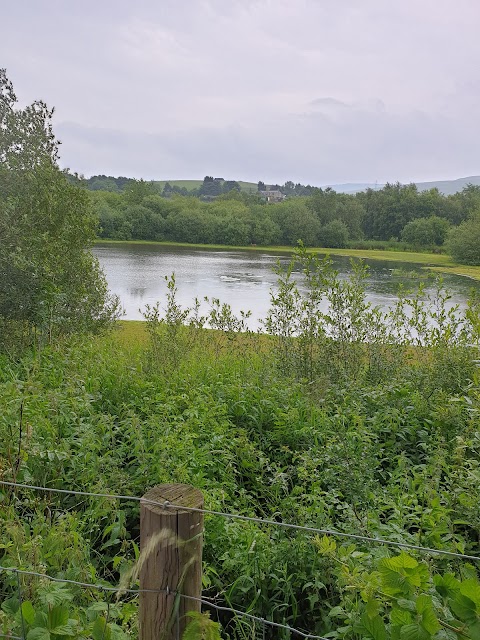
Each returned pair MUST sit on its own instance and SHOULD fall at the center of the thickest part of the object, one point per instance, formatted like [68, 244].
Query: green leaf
[57, 617]
[399, 617]
[28, 612]
[402, 574]
[375, 627]
[464, 608]
[398, 563]
[372, 608]
[11, 606]
[101, 629]
[414, 632]
[69, 629]
[429, 620]
[98, 606]
[447, 585]
[474, 629]
[200, 626]
[38, 633]
[325, 545]
[409, 605]
[41, 619]
[471, 589]
[55, 594]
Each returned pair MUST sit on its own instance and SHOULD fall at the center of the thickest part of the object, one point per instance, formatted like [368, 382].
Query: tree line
[396, 216]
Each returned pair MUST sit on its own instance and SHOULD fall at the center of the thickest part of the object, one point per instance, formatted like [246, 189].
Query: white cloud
[255, 88]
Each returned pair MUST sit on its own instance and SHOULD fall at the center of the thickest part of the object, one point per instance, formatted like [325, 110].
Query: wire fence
[233, 516]
[207, 602]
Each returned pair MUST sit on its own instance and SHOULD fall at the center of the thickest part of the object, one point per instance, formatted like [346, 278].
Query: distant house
[272, 195]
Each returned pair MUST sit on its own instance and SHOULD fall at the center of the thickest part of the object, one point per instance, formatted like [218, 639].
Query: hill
[447, 187]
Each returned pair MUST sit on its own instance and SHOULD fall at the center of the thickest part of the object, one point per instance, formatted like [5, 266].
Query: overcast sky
[316, 91]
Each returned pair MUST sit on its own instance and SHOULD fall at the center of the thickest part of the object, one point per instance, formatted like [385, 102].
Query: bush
[334, 234]
[464, 241]
[426, 231]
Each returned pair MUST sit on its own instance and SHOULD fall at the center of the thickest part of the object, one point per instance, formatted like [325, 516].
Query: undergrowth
[338, 416]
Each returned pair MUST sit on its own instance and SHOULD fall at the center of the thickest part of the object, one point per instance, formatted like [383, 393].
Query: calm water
[243, 279]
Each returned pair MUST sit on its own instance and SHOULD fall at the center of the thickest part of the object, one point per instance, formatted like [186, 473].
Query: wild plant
[397, 596]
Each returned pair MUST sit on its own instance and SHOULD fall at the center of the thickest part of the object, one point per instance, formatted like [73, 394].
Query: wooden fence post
[170, 560]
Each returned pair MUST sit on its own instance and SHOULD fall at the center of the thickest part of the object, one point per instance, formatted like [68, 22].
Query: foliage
[49, 282]
[201, 627]
[400, 598]
[334, 234]
[464, 241]
[426, 231]
[340, 418]
[318, 217]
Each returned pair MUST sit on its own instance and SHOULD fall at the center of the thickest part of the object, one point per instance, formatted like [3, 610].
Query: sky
[314, 91]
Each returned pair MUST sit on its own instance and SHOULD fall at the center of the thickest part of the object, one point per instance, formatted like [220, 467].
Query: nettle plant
[398, 597]
[53, 615]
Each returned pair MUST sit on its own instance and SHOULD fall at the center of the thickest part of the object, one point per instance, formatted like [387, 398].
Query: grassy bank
[431, 261]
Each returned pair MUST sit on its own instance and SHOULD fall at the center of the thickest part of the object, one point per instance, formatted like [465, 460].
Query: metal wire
[277, 625]
[234, 516]
[203, 601]
[87, 585]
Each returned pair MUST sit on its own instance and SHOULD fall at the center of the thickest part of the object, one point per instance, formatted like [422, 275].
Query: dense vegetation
[336, 417]
[395, 217]
[49, 283]
[342, 419]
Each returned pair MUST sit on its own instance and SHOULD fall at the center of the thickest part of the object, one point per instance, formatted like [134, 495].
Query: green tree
[49, 282]
[350, 211]
[324, 204]
[137, 190]
[334, 234]
[463, 242]
[388, 210]
[264, 231]
[296, 221]
[426, 231]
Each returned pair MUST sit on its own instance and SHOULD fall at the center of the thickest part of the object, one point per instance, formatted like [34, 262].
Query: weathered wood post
[171, 560]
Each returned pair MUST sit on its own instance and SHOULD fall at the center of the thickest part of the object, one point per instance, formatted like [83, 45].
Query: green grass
[248, 187]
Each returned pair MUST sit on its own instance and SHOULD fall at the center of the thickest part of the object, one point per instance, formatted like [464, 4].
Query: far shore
[432, 261]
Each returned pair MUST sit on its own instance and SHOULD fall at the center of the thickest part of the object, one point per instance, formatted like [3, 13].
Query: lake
[243, 279]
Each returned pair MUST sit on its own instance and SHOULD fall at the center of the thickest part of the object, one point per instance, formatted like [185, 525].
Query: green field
[247, 187]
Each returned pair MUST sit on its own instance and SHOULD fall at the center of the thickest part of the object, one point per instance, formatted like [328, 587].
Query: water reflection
[243, 279]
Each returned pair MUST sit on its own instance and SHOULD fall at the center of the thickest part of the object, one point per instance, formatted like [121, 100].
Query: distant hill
[110, 183]
[447, 187]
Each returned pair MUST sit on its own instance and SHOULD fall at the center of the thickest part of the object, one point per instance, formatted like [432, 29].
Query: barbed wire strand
[234, 516]
[254, 618]
[203, 601]
[86, 585]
